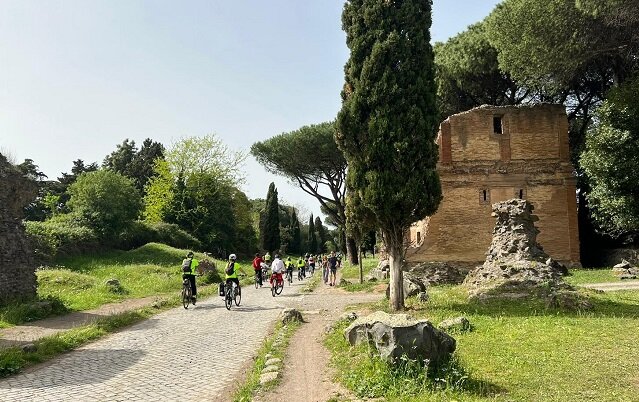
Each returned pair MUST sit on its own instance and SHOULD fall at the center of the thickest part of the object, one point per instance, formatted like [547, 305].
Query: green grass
[78, 283]
[351, 272]
[251, 384]
[581, 276]
[517, 351]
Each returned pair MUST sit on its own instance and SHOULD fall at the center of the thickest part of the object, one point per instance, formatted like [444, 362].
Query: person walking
[325, 269]
[332, 266]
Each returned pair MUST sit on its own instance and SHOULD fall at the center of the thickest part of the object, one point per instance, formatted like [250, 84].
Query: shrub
[140, 233]
[62, 235]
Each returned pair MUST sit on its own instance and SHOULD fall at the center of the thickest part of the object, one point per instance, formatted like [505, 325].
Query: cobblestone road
[176, 355]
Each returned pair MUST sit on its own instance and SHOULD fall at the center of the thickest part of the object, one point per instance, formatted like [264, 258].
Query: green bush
[140, 233]
[61, 235]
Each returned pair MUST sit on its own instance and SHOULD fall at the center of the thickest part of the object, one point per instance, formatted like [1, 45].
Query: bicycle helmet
[277, 256]
[232, 257]
[189, 254]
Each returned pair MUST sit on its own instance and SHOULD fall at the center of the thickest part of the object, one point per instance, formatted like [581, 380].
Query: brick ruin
[17, 266]
[491, 154]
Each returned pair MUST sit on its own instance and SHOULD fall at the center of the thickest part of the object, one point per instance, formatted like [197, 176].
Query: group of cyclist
[328, 263]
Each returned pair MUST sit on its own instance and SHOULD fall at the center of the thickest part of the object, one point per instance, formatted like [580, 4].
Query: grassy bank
[79, 283]
[517, 351]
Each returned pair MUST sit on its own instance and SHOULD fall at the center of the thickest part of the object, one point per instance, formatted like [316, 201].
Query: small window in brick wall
[521, 194]
[484, 196]
[497, 125]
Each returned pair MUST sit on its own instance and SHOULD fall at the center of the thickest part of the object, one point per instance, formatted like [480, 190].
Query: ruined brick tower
[17, 267]
[490, 154]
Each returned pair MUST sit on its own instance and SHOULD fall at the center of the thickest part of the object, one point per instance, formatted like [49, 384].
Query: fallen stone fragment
[290, 314]
[458, 324]
[268, 377]
[397, 335]
[270, 369]
[273, 361]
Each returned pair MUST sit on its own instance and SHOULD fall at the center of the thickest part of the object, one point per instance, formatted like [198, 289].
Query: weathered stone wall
[478, 167]
[17, 267]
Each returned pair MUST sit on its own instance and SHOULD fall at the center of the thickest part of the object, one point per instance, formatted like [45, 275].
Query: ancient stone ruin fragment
[17, 266]
[516, 266]
[397, 335]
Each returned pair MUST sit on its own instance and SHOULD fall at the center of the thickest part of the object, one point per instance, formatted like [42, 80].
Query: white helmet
[232, 257]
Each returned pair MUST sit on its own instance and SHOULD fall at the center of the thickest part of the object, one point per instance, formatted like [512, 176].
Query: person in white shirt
[278, 269]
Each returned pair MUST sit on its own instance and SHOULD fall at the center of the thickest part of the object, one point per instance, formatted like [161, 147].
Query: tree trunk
[361, 267]
[396, 277]
[351, 250]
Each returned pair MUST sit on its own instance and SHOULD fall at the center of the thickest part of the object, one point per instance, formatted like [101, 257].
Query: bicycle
[277, 285]
[187, 293]
[289, 276]
[258, 274]
[232, 293]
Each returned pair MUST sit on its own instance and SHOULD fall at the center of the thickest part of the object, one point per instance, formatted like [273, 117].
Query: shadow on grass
[602, 306]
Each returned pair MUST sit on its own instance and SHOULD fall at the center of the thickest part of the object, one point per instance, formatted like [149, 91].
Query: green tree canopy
[468, 74]
[105, 200]
[611, 163]
[312, 236]
[387, 123]
[309, 157]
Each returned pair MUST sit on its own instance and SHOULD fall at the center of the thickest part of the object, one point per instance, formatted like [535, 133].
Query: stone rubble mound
[381, 272]
[396, 335]
[625, 270]
[437, 273]
[516, 266]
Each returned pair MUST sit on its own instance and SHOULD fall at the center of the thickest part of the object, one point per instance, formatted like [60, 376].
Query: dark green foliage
[468, 74]
[311, 241]
[270, 222]
[140, 233]
[322, 235]
[105, 201]
[295, 245]
[611, 161]
[203, 206]
[388, 120]
[133, 163]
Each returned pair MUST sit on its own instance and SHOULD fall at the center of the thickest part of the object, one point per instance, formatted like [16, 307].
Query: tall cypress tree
[296, 235]
[270, 222]
[321, 235]
[387, 124]
[312, 236]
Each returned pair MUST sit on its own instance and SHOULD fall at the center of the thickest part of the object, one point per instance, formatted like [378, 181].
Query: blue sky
[77, 77]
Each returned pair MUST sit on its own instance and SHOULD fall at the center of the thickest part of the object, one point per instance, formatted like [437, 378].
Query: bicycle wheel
[279, 287]
[273, 288]
[186, 296]
[228, 300]
[238, 296]
[257, 285]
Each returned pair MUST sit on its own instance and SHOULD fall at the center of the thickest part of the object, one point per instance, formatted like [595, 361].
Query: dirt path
[307, 376]
[611, 286]
[28, 333]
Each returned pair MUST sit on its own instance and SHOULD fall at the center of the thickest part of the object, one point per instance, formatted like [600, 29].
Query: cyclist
[301, 266]
[231, 271]
[257, 267]
[189, 266]
[278, 269]
[289, 266]
[267, 258]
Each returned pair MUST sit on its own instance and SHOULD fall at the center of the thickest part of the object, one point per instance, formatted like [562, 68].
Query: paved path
[175, 355]
[610, 286]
